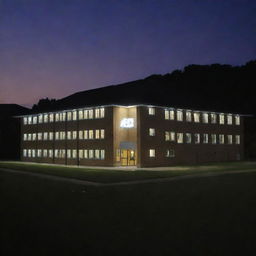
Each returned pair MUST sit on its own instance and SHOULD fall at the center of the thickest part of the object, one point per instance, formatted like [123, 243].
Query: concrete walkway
[145, 181]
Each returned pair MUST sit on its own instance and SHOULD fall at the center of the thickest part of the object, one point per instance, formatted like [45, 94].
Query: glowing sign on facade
[127, 123]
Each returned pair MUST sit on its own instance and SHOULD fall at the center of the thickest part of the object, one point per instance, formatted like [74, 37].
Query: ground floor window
[152, 153]
[170, 153]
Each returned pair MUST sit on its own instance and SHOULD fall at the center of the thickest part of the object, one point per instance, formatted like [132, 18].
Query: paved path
[145, 181]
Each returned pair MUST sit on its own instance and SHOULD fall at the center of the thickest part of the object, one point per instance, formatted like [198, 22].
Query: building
[10, 131]
[141, 135]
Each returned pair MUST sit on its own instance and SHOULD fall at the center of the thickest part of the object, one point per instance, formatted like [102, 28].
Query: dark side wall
[10, 131]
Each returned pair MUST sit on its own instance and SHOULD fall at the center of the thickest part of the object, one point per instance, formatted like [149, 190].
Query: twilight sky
[53, 48]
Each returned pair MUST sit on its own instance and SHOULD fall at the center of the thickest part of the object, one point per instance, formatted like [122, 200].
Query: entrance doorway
[128, 157]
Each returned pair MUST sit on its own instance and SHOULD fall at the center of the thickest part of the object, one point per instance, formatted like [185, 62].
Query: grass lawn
[109, 176]
[200, 216]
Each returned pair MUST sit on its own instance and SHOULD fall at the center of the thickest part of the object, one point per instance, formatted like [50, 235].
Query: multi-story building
[138, 135]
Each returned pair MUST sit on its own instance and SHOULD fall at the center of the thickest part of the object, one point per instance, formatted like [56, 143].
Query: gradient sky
[53, 48]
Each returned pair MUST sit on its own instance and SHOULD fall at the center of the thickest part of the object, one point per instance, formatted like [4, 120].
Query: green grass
[109, 176]
[213, 217]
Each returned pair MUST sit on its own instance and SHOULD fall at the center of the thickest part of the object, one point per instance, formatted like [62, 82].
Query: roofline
[129, 106]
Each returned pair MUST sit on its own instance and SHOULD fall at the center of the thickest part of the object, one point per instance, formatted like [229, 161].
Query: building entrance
[128, 157]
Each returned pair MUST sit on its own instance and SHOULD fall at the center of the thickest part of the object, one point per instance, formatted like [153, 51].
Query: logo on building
[127, 123]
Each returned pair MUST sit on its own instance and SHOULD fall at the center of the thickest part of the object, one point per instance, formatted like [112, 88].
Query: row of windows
[169, 153]
[205, 138]
[62, 153]
[63, 116]
[197, 117]
[62, 135]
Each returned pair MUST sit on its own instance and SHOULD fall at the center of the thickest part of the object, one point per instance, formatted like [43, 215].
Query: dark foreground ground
[200, 216]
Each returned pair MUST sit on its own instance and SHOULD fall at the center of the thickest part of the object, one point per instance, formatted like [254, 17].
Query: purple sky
[53, 48]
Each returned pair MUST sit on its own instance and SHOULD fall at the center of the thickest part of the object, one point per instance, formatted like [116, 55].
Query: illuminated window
[62, 135]
[45, 153]
[39, 153]
[167, 136]
[196, 117]
[237, 139]
[205, 118]
[166, 114]
[85, 153]
[57, 137]
[69, 116]
[205, 138]
[91, 153]
[81, 153]
[51, 118]
[214, 138]
[34, 119]
[229, 119]
[74, 135]
[97, 113]
[237, 120]
[197, 138]
[81, 135]
[172, 136]
[33, 153]
[45, 135]
[213, 118]
[86, 114]
[172, 114]
[80, 114]
[29, 136]
[230, 139]
[74, 115]
[152, 132]
[97, 134]
[90, 134]
[170, 153]
[152, 153]
[102, 154]
[102, 133]
[179, 137]
[34, 136]
[29, 153]
[102, 112]
[188, 116]
[69, 135]
[29, 120]
[24, 153]
[90, 113]
[221, 139]
[151, 111]
[50, 135]
[25, 120]
[188, 138]
[63, 116]
[25, 136]
[74, 153]
[45, 118]
[69, 153]
[57, 117]
[85, 134]
[179, 115]
[40, 118]
[56, 153]
[62, 153]
[50, 153]
[97, 153]
[221, 118]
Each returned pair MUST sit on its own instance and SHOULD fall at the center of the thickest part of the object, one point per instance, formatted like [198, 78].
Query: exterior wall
[106, 144]
[185, 153]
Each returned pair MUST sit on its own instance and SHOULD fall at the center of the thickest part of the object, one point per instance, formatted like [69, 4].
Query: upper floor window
[214, 138]
[51, 118]
[69, 116]
[152, 153]
[229, 119]
[90, 113]
[74, 115]
[151, 111]
[25, 120]
[197, 138]
[45, 118]
[188, 116]
[34, 119]
[188, 138]
[205, 138]
[179, 115]
[237, 139]
[102, 112]
[221, 139]
[205, 118]
[179, 137]
[230, 139]
[196, 117]
[237, 120]
[152, 132]
[97, 113]
[29, 120]
[221, 118]
[57, 117]
[213, 118]
[40, 118]
[80, 115]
